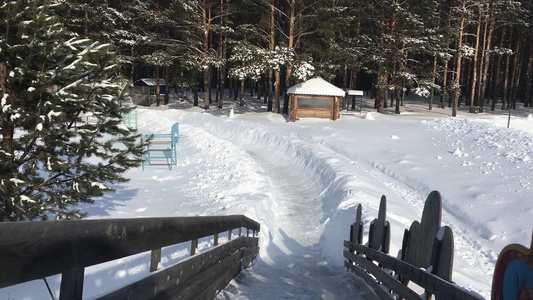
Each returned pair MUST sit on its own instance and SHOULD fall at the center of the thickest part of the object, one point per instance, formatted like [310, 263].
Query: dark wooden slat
[418, 250]
[201, 281]
[356, 230]
[219, 284]
[223, 280]
[371, 281]
[72, 284]
[430, 282]
[32, 250]
[179, 274]
[377, 229]
[382, 276]
[155, 259]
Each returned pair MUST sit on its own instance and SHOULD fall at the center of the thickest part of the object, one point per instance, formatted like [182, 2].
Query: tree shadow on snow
[109, 202]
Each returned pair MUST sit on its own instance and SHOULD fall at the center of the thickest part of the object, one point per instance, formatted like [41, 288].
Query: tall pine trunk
[271, 47]
[496, 75]
[292, 21]
[167, 94]
[506, 87]
[457, 80]
[222, 53]
[241, 93]
[157, 87]
[527, 93]
[517, 69]
[444, 85]
[475, 67]
[487, 43]
[433, 78]
[344, 85]
[381, 98]
[206, 23]
[7, 131]
[277, 90]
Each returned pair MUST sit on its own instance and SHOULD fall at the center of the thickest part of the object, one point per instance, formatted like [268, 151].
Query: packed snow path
[296, 267]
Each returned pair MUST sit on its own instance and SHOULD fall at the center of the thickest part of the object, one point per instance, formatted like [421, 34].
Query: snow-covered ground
[302, 181]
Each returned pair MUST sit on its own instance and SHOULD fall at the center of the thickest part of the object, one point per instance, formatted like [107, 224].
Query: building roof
[149, 82]
[316, 87]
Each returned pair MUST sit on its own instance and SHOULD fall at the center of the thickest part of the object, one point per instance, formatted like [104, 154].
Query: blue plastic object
[162, 148]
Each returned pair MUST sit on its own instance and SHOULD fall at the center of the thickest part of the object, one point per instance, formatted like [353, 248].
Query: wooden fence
[33, 250]
[426, 257]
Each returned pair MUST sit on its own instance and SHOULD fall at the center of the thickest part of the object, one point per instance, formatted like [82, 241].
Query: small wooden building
[148, 85]
[144, 90]
[314, 98]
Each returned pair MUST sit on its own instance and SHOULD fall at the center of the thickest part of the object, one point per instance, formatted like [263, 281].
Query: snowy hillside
[302, 180]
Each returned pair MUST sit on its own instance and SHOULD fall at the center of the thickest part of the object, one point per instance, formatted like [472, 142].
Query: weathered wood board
[421, 235]
[379, 235]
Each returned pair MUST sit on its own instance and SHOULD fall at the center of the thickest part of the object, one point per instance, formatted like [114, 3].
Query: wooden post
[155, 259]
[194, 246]
[376, 235]
[356, 232]
[215, 238]
[72, 284]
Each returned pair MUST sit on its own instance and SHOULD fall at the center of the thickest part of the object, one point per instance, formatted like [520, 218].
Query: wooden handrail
[33, 250]
[430, 282]
[426, 256]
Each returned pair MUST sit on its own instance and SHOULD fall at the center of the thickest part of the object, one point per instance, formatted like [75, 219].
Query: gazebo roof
[149, 82]
[316, 87]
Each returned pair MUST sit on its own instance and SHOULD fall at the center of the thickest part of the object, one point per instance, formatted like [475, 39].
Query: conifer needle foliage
[62, 137]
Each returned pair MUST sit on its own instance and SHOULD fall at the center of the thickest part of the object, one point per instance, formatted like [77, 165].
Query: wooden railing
[426, 257]
[33, 250]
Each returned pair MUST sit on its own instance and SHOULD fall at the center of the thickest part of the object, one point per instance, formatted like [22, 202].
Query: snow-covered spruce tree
[51, 157]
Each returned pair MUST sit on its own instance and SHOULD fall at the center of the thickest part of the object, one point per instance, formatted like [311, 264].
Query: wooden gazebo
[314, 98]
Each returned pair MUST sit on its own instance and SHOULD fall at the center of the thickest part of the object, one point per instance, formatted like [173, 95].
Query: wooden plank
[430, 282]
[215, 239]
[410, 251]
[214, 274]
[194, 246]
[376, 236]
[32, 250]
[219, 284]
[155, 259]
[382, 276]
[420, 244]
[442, 256]
[356, 234]
[371, 281]
[165, 280]
[72, 284]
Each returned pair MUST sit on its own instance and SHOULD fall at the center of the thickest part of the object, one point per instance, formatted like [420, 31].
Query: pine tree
[51, 157]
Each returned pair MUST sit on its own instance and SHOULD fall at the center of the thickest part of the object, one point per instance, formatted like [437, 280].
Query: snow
[15, 116]
[4, 99]
[99, 185]
[26, 199]
[53, 114]
[303, 180]
[16, 181]
[316, 86]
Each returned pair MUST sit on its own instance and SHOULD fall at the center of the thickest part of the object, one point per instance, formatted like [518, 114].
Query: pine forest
[62, 60]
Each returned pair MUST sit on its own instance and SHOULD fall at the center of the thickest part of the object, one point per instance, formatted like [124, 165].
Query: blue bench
[162, 148]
